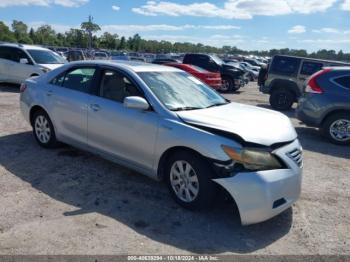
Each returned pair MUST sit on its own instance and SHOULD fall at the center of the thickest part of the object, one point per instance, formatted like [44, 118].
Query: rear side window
[285, 65]
[5, 53]
[309, 68]
[188, 59]
[78, 79]
[12, 53]
[343, 81]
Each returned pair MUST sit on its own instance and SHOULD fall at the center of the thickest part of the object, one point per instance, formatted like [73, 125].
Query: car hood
[252, 124]
[51, 66]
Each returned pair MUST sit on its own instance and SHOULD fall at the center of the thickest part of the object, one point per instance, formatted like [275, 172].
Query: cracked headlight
[253, 159]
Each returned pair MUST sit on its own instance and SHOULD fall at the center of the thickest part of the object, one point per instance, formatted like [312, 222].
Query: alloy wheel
[42, 129]
[340, 130]
[184, 181]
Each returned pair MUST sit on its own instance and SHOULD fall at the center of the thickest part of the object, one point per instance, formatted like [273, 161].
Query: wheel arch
[287, 85]
[168, 153]
[333, 112]
[33, 110]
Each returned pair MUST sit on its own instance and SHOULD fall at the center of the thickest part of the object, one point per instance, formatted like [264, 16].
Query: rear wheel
[337, 128]
[282, 99]
[43, 130]
[228, 85]
[188, 178]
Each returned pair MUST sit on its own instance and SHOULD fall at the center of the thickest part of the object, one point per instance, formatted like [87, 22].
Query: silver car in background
[19, 62]
[170, 126]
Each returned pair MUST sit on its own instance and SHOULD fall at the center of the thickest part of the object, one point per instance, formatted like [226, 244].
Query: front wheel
[188, 178]
[43, 130]
[337, 128]
[282, 100]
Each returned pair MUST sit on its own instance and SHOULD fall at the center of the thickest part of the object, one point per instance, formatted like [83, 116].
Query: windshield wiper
[218, 104]
[185, 108]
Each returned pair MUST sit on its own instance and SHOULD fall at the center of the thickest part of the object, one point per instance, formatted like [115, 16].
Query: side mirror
[23, 61]
[136, 102]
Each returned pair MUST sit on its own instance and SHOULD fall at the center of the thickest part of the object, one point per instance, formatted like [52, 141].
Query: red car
[211, 79]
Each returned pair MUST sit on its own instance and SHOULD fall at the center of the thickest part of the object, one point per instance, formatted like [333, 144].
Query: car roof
[315, 59]
[131, 65]
[32, 47]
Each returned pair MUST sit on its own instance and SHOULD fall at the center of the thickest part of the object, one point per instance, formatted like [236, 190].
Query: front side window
[46, 57]
[285, 65]
[344, 81]
[181, 91]
[78, 79]
[116, 86]
[309, 68]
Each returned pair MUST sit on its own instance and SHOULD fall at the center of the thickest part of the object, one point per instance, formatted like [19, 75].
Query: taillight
[312, 85]
[23, 87]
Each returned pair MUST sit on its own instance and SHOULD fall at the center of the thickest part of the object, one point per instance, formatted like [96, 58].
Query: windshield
[46, 57]
[180, 91]
[217, 59]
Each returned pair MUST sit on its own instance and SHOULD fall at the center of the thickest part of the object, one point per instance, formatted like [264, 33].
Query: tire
[337, 128]
[282, 100]
[43, 130]
[228, 85]
[202, 189]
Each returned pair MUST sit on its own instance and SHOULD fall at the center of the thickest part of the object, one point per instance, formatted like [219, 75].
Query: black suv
[232, 77]
[286, 77]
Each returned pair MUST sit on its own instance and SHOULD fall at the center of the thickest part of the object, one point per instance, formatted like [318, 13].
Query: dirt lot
[65, 201]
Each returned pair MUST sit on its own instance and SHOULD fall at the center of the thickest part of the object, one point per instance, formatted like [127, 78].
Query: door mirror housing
[23, 61]
[136, 102]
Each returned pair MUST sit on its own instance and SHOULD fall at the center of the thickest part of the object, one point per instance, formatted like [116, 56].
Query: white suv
[19, 62]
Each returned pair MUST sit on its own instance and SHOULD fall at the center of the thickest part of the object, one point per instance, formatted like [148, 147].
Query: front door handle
[95, 107]
[49, 93]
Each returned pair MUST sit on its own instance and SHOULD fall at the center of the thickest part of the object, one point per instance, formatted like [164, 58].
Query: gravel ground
[66, 201]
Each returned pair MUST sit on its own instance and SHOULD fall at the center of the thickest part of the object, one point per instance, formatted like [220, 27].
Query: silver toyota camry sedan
[166, 124]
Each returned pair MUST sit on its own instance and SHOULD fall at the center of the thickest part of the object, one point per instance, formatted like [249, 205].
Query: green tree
[90, 27]
[45, 35]
[5, 34]
[19, 29]
[108, 41]
[122, 44]
[76, 38]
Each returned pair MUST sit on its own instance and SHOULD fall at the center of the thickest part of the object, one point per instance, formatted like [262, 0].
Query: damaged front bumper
[262, 195]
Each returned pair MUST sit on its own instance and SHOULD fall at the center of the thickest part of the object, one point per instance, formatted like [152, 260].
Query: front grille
[297, 156]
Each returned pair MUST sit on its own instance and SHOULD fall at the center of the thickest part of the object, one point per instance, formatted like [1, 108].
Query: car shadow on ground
[312, 140]
[11, 88]
[92, 184]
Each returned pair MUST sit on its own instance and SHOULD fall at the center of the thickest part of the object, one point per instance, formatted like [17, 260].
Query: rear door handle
[95, 107]
[49, 93]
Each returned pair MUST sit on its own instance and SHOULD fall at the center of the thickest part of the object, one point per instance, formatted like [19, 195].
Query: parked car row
[320, 87]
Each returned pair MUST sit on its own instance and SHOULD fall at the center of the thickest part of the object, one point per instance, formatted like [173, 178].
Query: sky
[247, 24]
